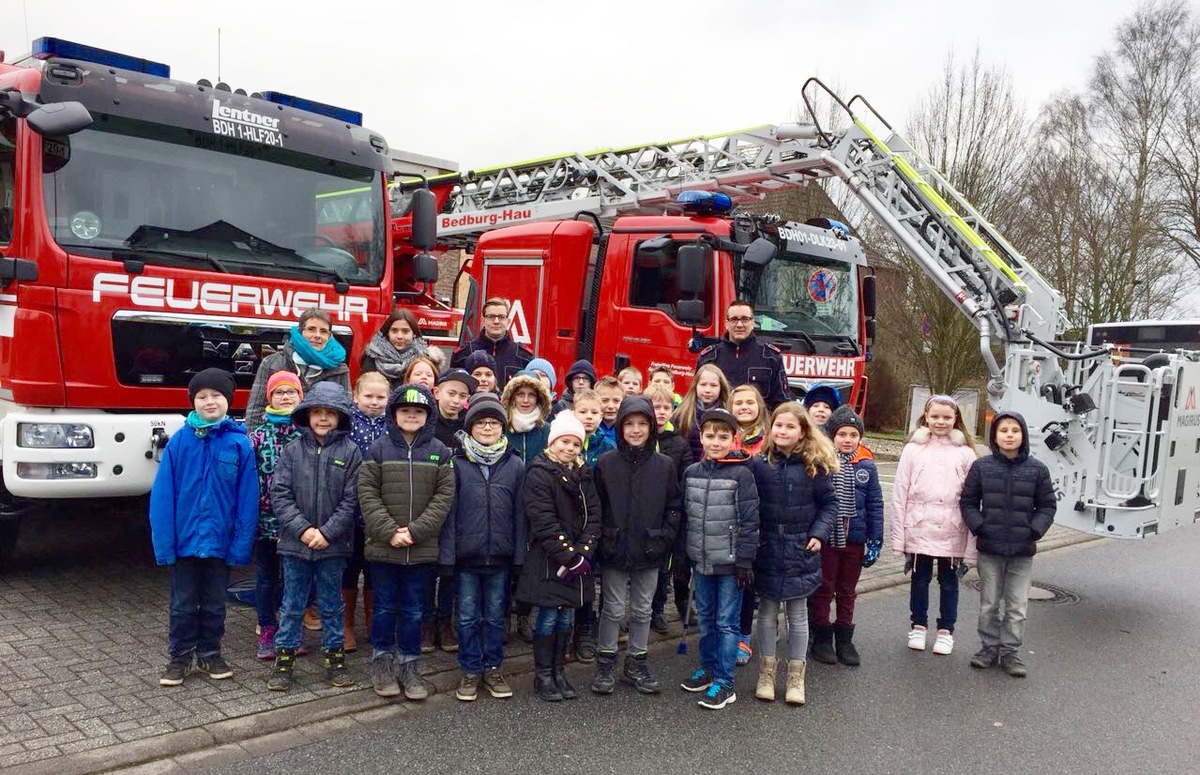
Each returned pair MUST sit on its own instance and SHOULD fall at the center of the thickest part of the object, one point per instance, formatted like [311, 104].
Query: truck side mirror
[760, 253]
[870, 330]
[424, 219]
[59, 119]
[690, 311]
[868, 296]
[693, 258]
[424, 268]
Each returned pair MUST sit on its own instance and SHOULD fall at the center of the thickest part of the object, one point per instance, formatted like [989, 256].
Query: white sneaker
[916, 638]
[944, 643]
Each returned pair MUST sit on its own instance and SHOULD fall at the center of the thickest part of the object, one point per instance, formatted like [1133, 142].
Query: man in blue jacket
[203, 514]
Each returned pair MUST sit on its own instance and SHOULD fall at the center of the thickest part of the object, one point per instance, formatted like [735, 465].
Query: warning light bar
[312, 106]
[46, 48]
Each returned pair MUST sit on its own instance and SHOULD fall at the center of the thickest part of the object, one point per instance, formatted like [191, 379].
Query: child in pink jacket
[927, 524]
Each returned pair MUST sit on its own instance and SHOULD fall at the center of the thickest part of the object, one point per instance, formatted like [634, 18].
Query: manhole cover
[1041, 592]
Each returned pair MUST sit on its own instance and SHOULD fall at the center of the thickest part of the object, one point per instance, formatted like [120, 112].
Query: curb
[267, 732]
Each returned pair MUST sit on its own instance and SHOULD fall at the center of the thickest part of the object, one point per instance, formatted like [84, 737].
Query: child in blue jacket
[854, 542]
[203, 516]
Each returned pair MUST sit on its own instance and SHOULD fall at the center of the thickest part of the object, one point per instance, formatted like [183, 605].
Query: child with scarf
[393, 347]
[527, 404]
[284, 392]
[482, 539]
[854, 543]
[203, 515]
[709, 390]
[311, 351]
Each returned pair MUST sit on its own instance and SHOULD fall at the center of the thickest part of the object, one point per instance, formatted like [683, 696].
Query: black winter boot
[822, 647]
[606, 672]
[543, 668]
[562, 641]
[846, 653]
[637, 672]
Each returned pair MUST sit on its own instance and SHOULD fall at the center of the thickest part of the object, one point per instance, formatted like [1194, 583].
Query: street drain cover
[1042, 592]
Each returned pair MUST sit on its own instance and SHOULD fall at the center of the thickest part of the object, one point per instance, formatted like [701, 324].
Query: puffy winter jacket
[563, 510]
[595, 446]
[793, 507]
[639, 499]
[403, 484]
[282, 361]
[867, 523]
[1008, 503]
[721, 508]
[316, 484]
[486, 524]
[510, 356]
[926, 517]
[204, 502]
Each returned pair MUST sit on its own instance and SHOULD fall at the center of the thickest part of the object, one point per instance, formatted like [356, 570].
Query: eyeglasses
[740, 320]
[494, 317]
[489, 424]
[285, 392]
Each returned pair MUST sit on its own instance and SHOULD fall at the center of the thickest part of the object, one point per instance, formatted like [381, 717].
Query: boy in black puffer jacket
[1008, 502]
[639, 506]
[676, 447]
[315, 497]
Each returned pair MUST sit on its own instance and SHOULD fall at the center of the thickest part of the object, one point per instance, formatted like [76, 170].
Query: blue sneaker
[744, 651]
[717, 697]
[698, 681]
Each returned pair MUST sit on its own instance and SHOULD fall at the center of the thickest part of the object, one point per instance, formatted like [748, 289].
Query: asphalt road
[1113, 687]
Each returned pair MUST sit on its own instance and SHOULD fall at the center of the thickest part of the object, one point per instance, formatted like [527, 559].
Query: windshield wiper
[320, 271]
[841, 338]
[138, 254]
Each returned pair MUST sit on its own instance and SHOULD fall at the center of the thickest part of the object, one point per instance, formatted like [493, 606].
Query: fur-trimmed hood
[922, 435]
[524, 380]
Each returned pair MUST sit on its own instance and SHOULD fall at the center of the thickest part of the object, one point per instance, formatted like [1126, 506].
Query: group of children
[427, 488]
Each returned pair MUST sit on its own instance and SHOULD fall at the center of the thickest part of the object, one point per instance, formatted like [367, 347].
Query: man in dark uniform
[744, 359]
[510, 356]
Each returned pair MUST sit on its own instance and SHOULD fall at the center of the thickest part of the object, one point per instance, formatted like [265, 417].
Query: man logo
[1190, 403]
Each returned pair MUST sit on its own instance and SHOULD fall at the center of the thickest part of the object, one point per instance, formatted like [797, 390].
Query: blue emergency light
[704, 202]
[312, 106]
[46, 48]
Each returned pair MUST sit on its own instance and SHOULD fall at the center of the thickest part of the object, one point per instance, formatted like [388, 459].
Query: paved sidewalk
[83, 619]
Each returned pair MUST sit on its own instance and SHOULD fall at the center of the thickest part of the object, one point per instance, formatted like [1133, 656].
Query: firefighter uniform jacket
[752, 362]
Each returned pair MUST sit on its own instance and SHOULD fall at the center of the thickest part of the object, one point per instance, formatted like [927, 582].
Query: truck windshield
[175, 196]
[794, 294]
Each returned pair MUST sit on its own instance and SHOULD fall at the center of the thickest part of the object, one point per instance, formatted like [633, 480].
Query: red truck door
[519, 276]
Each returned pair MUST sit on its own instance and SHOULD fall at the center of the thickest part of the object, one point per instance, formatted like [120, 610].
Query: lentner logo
[245, 125]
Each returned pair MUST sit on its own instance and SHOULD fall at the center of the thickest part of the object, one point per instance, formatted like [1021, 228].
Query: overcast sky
[482, 83]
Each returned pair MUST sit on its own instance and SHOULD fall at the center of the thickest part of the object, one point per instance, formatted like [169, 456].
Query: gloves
[577, 570]
[909, 559]
[745, 577]
[871, 555]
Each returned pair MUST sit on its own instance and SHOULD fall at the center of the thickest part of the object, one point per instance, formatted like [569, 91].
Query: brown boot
[350, 599]
[312, 620]
[795, 682]
[447, 637]
[766, 679]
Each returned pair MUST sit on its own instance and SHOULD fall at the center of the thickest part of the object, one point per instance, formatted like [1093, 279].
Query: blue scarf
[333, 354]
[200, 425]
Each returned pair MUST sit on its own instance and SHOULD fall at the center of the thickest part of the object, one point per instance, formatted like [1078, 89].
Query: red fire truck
[655, 252]
[150, 228]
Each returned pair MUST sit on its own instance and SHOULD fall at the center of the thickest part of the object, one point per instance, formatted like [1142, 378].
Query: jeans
[396, 622]
[918, 596]
[197, 620]
[357, 565]
[797, 623]
[268, 584]
[627, 589]
[718, 607]
[482, 602]
[299, 575]
[840, 571]
[1007, 580]
[551, 620]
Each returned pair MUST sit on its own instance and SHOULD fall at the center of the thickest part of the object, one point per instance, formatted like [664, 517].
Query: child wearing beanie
[284, 393]
[563, 510]
[203, 513]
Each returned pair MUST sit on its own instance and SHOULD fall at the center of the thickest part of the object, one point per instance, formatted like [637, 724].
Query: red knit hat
[281, 378]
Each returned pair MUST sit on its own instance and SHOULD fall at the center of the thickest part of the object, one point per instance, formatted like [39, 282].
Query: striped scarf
[844, 481]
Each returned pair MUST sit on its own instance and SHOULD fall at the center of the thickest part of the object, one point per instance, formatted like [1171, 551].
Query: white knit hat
[566, 424]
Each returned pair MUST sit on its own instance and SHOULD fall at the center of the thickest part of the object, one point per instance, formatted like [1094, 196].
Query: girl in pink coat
[927, 525]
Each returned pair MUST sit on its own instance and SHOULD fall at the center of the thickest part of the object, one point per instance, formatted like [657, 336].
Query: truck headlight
[45, 435]
[57, 470]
